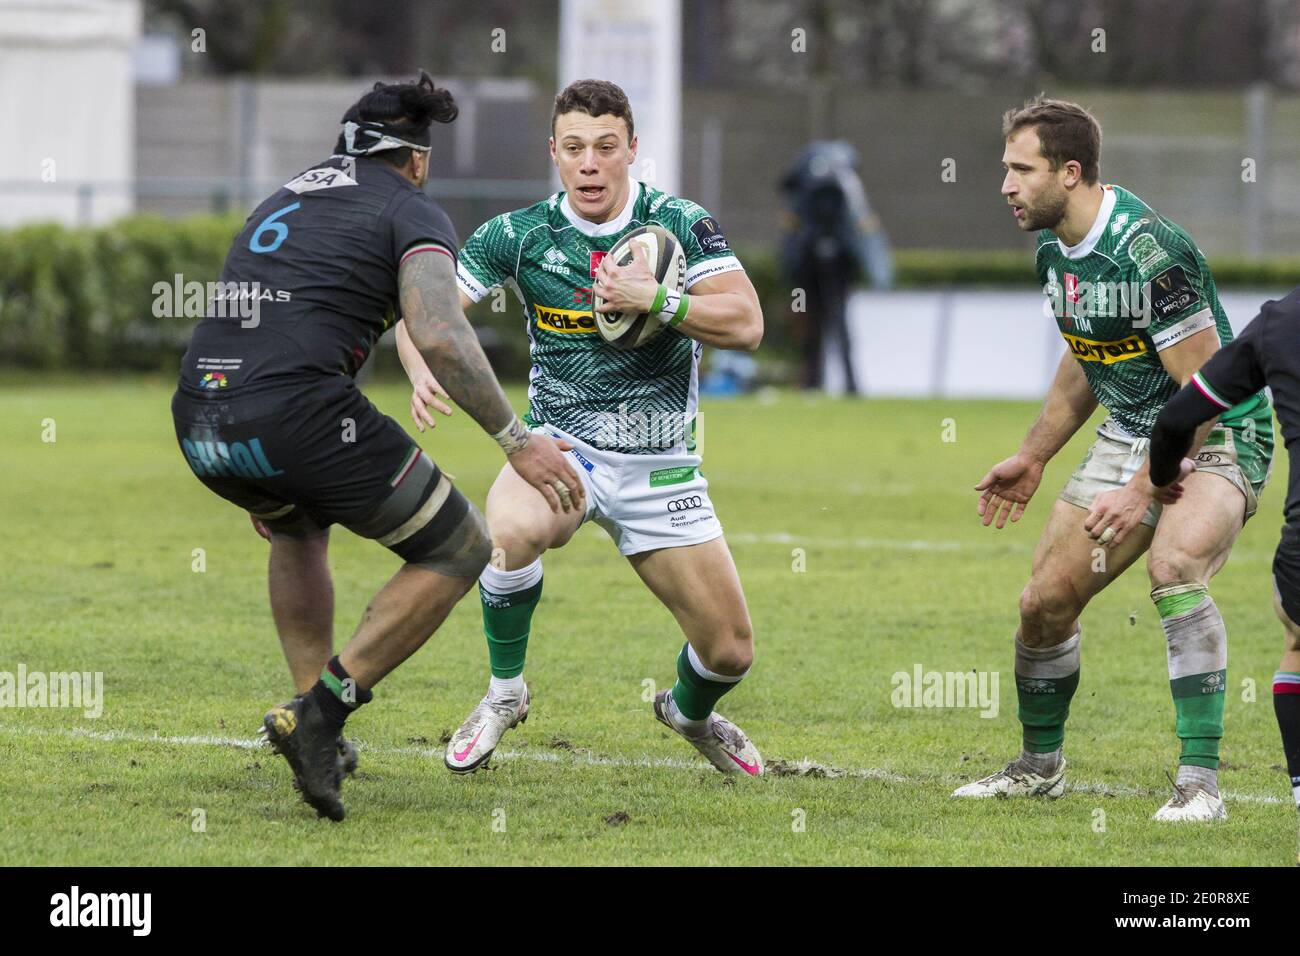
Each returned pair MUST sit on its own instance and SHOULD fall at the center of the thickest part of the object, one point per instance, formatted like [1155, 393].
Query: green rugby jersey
[1135, 285]
[638, 401]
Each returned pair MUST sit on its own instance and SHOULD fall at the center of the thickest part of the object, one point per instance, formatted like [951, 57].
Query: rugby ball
[667, 261]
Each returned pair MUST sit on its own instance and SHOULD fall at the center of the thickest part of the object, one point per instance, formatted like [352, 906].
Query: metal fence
[1225, 165]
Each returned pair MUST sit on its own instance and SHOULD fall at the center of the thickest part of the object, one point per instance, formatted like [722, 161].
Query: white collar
[615, 225]
[1089, 242]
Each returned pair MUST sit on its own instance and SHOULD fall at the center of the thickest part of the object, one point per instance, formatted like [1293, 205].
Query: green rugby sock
[1046, 679]
[698, 688]
[1198, 667]
[509, 598]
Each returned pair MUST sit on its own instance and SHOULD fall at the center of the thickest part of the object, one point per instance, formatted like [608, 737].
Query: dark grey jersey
[318, 259]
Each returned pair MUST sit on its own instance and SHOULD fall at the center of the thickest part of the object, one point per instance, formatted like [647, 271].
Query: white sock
[684, 723]
[506, 688]
[508, 582]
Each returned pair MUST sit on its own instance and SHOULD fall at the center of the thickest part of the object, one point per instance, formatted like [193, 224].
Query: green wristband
[660, 297]
[680, 315]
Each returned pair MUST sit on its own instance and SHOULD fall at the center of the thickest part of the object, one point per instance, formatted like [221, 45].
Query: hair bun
[412, 105]
[424, 103]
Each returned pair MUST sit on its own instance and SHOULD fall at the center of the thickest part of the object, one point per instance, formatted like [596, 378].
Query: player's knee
[518, 540]
[1045, 605]
[732, 653]
[742, 658]
[1171, 568]
[731, 661]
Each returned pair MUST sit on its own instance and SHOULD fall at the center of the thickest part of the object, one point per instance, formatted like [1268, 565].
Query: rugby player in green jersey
[626, 417]
[1135, 302]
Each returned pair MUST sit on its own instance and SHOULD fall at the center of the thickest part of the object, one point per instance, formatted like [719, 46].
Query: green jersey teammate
[627, 418]
[1137, 307]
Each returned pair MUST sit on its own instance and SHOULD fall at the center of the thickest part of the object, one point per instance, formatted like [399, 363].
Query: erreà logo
[564, 321]
[555, 262]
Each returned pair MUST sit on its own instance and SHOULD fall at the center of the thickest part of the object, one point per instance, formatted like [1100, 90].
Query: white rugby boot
[470, 746]
[722, 742]
[1016, 780]
[1192, 804]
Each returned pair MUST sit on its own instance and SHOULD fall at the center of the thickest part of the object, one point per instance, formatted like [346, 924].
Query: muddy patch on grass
[802, 768]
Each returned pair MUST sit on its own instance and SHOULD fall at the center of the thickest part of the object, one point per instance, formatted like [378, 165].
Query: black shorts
[302, 457]
[1286, 572]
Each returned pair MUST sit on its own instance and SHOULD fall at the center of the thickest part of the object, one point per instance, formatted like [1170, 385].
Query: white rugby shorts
[644, 501]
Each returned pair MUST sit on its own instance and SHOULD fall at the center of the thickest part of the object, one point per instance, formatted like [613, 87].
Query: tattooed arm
[438, 328]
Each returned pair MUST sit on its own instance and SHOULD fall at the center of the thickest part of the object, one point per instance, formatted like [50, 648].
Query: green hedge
[83, 298]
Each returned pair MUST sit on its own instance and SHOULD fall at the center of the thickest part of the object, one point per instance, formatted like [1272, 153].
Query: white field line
[579, 756]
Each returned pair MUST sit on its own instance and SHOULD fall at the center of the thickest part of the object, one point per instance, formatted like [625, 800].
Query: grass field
[97, 570]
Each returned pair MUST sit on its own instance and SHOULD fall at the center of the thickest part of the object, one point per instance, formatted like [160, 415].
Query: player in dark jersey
[269, 417]
[1266, 353]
